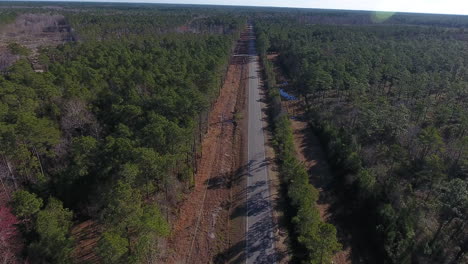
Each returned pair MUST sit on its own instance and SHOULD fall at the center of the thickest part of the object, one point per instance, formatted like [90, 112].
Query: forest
[104, 107]
[108, 131]
[388, 102]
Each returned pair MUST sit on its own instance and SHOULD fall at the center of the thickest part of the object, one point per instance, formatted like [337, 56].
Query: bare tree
[77, 119]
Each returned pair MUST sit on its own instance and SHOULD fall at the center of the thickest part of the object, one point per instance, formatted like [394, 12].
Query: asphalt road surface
[259, 223]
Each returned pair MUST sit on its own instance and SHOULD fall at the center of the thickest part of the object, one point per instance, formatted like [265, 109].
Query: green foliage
[124, 208]
[430, 141]
[131, 220]
[455, 198]
[17, 49]
[52, 226]
[112, 247]
[327, 243]
[39, 133]
[26, 204]
[366, 181]
[82, 151]
[318, 238]
[7, 17]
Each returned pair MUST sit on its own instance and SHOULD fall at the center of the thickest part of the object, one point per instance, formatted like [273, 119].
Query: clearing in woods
[32, 31]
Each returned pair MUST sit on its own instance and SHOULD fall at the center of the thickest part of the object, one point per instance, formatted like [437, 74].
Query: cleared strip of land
[209, 226]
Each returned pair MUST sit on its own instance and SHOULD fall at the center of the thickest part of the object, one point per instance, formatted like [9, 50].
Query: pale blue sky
[419, 6]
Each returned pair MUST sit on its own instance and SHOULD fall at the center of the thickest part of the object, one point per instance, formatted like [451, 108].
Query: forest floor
[309, 151]
[209, 226]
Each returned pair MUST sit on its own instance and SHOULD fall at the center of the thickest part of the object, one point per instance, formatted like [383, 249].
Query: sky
[417, 6]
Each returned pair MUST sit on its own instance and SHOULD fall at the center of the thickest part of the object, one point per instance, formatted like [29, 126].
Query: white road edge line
[248, 174]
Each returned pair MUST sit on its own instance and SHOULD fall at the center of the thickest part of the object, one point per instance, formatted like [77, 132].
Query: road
[259, 223]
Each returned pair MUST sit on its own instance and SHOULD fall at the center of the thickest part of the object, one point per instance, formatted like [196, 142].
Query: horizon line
[226, 5]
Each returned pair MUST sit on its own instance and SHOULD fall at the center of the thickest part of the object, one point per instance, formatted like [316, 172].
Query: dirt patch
[272, 56]
[207, 228]
[86, 236]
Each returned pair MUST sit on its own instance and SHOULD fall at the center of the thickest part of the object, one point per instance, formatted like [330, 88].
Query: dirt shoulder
[209, 226]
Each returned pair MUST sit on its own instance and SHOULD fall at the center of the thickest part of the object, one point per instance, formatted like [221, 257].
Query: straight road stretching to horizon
[259, 223]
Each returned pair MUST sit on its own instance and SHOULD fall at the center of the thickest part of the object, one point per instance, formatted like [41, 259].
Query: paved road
[259, 223]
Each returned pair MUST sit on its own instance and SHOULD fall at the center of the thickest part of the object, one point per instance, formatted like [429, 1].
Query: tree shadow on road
[234, 254]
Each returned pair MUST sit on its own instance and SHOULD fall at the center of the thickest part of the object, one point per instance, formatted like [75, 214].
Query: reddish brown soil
[206, 230]
[272, 56]
[86, 236]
